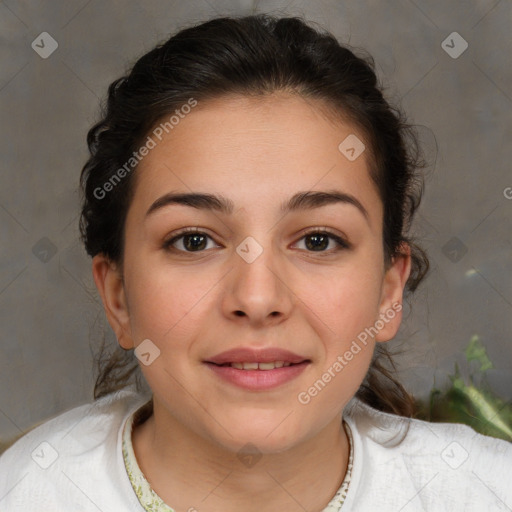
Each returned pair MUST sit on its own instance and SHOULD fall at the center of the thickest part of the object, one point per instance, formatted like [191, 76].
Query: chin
[262, 435]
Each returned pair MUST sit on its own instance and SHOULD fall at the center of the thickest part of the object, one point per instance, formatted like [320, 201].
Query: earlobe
[110, 286]
[395, 279]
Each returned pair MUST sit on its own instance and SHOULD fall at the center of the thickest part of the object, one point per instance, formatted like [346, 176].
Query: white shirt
[74, 462]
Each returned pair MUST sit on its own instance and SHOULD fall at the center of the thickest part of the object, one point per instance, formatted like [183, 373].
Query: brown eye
[194, 241]
[318, 241]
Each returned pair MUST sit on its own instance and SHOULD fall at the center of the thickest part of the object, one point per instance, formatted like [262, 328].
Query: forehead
[254, 147]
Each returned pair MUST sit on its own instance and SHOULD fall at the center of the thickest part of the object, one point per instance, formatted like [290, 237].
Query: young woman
[246, 205]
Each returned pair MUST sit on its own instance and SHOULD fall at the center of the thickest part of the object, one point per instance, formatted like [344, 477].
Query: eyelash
[342, 243]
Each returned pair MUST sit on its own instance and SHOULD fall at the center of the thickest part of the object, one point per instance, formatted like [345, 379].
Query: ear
[109, 282]
[395, 278]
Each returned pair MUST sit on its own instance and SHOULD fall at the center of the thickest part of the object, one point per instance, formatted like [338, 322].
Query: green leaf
[477, 406]
[486, 407]
[475, 351]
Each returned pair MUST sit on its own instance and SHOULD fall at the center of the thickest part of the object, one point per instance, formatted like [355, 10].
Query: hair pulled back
[252, 56]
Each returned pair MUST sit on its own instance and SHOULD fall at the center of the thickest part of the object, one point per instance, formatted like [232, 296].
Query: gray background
[50, 312]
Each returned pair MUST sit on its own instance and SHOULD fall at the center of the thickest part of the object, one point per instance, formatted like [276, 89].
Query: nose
[258, 292]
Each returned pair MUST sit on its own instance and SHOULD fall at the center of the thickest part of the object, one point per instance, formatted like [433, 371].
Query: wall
[49, 309]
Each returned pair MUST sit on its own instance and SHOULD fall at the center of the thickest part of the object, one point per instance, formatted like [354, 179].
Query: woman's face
[261, 275]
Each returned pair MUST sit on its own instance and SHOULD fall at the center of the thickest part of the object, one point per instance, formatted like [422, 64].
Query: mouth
[271, 365]
[253, 359]
[257, 369]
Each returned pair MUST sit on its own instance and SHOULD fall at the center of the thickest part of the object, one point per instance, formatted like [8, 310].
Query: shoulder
[446, 465]
[72, 453]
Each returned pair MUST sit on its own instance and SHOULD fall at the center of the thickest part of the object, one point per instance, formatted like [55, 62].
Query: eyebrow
[299, 201]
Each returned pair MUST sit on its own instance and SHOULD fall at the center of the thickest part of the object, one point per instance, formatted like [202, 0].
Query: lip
[257, 380]
[252, 355]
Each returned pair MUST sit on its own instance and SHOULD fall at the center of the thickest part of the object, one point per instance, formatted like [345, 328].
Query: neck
[191, 473]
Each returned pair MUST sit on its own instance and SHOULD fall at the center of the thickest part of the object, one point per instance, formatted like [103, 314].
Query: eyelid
[168, 242]
[340, 239]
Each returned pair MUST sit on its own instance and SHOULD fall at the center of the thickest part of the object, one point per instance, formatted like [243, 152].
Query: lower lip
[258, 380]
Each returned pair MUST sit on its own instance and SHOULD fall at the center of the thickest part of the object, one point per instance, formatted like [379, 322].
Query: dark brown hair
[251, 56]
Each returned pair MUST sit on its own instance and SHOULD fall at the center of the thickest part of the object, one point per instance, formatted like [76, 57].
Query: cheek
[344, 302]
[165, 302]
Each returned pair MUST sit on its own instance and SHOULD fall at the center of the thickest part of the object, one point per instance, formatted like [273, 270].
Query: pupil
[314, 242]
[319, 241]
[194, 241]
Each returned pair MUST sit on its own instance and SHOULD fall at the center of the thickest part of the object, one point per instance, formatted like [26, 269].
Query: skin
[257, 152]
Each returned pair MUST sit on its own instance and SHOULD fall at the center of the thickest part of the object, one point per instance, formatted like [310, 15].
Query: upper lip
[253, 355]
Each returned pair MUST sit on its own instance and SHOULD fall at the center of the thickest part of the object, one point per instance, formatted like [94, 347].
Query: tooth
[259, 366]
